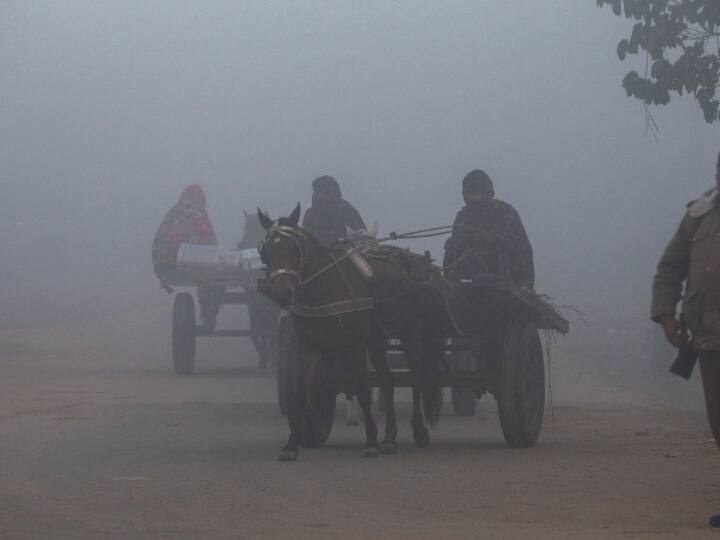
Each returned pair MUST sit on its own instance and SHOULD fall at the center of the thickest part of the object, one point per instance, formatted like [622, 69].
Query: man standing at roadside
[693, 257]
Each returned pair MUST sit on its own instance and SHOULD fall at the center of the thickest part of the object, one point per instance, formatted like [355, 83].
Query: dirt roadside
[103, 442]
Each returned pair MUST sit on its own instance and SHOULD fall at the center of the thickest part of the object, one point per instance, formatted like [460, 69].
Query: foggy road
[105, 443]
[110, 109]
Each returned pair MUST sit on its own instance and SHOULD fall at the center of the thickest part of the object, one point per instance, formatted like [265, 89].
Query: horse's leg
[363, 394]
[352, 415]
[310, 359]
[307, 361]
[255, 336]
[296, 415]
[413, 357]
[258, 343]
[376, 350]
[359, 366]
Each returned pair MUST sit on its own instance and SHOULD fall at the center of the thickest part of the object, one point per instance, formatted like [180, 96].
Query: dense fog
[108, 109]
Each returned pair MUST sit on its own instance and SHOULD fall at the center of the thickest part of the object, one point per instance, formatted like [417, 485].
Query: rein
[333, 309]
[353, 304]
[336, 261]
[420, 233]
[292, 233]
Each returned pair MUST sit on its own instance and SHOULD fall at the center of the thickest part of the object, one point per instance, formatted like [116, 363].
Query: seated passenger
[329, 217]
[489, 239]
[328, 221]
[187, 222]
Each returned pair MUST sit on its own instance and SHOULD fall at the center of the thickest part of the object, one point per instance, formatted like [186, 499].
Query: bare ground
[100, 440]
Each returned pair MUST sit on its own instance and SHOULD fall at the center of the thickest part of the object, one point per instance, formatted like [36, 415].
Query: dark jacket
[494, 244]
[327, 224]
[693, 257]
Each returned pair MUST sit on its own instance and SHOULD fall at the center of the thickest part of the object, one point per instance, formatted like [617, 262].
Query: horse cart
[222, 277]
[496, 348]
[493, 345]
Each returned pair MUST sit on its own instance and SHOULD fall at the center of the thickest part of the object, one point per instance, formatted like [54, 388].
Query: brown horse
[338, 312]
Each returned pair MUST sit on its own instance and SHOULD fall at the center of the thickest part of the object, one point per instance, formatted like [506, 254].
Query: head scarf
[477, 180]
[193, 196]
[327, 186]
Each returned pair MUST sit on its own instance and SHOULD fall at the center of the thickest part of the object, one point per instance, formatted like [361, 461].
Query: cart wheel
[464, 401]
[318, 424]
[521, 388]
[183, 334]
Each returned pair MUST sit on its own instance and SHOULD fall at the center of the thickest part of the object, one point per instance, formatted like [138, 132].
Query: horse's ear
[374, 230]
[294, 218]
[246, 214]
[265, 221]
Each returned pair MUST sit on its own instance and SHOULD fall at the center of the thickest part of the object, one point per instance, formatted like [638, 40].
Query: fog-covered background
[108, 109]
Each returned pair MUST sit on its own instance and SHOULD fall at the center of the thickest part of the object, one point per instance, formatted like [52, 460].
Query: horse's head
[252, 231]
[283, 252]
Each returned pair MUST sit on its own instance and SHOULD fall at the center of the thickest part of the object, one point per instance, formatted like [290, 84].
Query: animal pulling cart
[492, 344]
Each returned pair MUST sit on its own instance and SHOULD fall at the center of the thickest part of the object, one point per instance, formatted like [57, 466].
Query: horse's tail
[432, 391]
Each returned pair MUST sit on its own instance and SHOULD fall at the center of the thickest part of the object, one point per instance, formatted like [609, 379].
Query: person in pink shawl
[186, 222]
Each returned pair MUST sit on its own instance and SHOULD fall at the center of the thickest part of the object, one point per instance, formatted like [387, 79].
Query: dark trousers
[710, 371]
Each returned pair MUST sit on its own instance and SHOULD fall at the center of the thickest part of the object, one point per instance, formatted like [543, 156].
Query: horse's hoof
[422, 438]
[371, 452]
[288, 455]
[389, 448]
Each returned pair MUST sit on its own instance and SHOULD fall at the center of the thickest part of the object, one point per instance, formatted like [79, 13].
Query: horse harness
[333, 309]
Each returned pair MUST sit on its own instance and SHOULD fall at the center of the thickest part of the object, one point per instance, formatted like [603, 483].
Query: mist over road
[109, 109]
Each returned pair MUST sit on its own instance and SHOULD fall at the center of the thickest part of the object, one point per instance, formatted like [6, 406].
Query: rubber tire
[521, 388]
[464, 401]
[319, 423]
[183, 334]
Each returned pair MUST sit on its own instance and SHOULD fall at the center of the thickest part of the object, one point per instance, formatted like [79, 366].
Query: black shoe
[715, 521]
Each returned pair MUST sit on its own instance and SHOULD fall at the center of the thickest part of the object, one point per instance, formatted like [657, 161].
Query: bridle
[300, 240]
[333, 309]
[284, 231]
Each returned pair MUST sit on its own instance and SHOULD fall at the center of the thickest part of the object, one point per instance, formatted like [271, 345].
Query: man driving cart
[488, 239]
